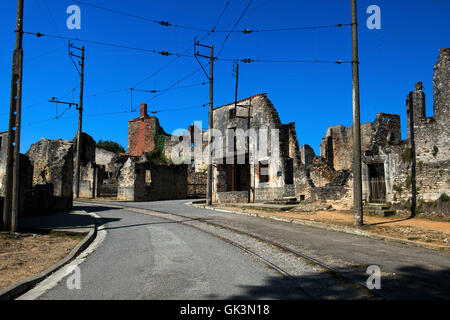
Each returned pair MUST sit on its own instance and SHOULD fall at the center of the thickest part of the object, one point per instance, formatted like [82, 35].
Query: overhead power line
[227, 3]
[174, 84]
[234, 27]
[244, 31]
[249, 31]
[153, 20]
[160, 52]
[248, 60]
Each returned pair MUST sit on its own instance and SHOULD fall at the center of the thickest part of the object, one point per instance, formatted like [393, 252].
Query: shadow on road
[409, 283]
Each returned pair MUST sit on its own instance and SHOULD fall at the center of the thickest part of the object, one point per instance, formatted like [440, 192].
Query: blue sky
[313, 95]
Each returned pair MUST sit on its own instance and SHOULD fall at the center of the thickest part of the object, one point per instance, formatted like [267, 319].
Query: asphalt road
[143, 257]
[407, 272]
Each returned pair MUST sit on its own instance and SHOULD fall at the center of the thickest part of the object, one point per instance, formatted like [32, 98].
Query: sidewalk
[73, 221]
[417, 231]
[43, 245]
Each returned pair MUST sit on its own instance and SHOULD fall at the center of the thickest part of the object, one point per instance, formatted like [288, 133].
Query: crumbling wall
[88, 167]
[52, 162]
[281, 145]
[307, 154]
[141, 180]
[196, 183]
[142, 132]
[3, 150]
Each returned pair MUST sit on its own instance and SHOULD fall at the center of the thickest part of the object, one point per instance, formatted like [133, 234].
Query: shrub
[407, 155]
[408, 181]
[110, 146]
[157, 155]
[444, 197]
[435, 151]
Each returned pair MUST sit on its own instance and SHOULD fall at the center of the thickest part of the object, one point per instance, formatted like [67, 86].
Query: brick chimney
[143, 110]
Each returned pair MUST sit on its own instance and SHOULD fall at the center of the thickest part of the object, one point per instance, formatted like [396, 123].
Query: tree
[110, 146]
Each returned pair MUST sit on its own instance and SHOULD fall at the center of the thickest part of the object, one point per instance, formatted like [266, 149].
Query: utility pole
[236, 74]
[357, 179]
[80, 115]
[211, 103]
[11, 205]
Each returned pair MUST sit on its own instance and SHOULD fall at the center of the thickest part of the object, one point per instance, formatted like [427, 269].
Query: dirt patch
[417, 229]
[24, 255]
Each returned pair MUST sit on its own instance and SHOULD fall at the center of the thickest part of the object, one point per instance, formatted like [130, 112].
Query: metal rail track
[277, 245]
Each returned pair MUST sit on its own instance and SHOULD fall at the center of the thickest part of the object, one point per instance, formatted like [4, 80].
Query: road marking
[51, 281]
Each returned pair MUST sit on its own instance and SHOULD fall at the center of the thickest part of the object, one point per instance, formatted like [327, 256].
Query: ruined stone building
[143, 132]
[262, 174]
[146, 172]
[393, 169]
[91, 174]
[45, 183]
[52, 162]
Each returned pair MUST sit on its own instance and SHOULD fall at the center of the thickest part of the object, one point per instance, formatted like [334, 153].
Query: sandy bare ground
[24, 255]
[432, 232]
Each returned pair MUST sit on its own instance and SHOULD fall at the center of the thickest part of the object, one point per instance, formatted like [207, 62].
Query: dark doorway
[238, 177]
[289, 171]
[377, 183]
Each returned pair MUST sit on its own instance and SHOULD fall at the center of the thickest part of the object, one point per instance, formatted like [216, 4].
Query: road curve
[144, 257]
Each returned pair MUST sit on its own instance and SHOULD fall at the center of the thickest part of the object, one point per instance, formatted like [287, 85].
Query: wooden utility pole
[80, 117]
[357, 178]
[11, 205]
[210, 77]
[211, 101]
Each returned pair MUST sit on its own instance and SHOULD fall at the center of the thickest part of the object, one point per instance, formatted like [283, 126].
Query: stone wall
[232, 197]
[88, 167]
[3, 149]
[52, 162]
[307, 154]
[282, 151]
[142, 132]
[196, 184]
[142, 181]
[415, 168]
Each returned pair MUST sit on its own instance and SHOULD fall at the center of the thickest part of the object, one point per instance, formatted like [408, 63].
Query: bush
[435, 151]
[110, 146]
[157, 155]
[444, 197]
[407, 155]
[408, 181]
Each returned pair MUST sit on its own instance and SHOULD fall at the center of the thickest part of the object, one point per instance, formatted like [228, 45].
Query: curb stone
[17, 289]
[326, 226]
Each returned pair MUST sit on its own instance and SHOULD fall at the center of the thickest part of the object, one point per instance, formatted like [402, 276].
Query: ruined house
[143, 133]
[53, 173]
[91, 174]
[25, 174]
[146, 172]
[245, 170]
[393, 169]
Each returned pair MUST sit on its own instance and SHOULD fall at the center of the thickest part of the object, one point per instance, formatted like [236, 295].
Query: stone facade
[142, 133]
[141, 180]
[25, 179]
[89, 177]
[393, 170]
[241, 165]
[3, 149]
[52, 162]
